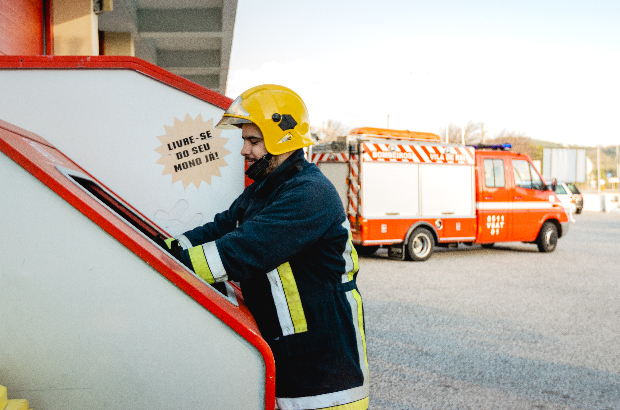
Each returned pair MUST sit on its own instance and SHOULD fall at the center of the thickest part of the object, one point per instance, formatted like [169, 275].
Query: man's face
[253, 143]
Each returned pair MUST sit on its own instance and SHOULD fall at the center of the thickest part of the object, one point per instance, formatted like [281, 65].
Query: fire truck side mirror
[554, 184]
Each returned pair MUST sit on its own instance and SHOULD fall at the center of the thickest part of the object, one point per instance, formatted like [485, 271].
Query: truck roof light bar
[499, 147]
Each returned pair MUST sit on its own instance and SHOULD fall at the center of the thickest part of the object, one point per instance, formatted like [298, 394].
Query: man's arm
[223, 223]
[298, 217]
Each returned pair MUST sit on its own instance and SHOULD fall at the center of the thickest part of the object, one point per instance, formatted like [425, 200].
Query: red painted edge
[151, 254]
[115, 62]
[247, 180]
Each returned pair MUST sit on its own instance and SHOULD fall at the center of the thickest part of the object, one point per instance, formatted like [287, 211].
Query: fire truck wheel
[366, 250]
[547, 237]
[421, 244]
[488, 245]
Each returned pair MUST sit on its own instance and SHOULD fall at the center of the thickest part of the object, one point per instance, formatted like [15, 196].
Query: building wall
[21, 27]
[75, 28]
[192, 39]
[117, 44]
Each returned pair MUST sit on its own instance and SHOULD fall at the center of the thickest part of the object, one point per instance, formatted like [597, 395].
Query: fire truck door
[494, 202]
[530, 201]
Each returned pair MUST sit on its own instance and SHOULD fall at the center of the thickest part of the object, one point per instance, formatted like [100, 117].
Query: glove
[170, 245]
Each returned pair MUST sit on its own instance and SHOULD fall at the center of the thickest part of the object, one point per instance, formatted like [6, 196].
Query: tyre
[578, 211]
[547, 237]
[488, 245]
[421, 244]
[366, 250]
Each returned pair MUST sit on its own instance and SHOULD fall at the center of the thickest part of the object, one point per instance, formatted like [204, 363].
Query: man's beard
[262, 167]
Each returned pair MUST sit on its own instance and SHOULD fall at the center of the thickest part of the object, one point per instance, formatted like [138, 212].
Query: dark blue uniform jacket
[286, 241]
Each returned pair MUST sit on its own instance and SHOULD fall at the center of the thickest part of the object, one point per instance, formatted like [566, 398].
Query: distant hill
[534, 149]
[546, 144]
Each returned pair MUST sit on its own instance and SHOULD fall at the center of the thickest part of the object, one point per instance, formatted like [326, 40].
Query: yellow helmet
[278, 111]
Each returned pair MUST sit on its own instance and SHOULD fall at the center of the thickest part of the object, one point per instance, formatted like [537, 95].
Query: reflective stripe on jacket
[286, 240]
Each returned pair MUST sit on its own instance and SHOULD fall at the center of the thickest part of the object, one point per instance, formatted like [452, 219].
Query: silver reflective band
[356, 311]
[324, 400]
[347, 254]
[184, 242]
[279, 298]
[212, 255]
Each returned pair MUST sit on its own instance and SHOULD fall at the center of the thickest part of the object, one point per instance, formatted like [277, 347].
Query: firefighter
[286, 240]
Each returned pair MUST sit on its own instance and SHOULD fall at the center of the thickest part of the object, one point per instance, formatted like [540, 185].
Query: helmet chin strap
[257, 169]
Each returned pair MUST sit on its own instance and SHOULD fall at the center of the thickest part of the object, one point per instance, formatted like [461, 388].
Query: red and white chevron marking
[432, 154]
[330, 157]
[353, 185]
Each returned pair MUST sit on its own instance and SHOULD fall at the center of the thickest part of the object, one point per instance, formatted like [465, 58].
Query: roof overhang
[191, 38]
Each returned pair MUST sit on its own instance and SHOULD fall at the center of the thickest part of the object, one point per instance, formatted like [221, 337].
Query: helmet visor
[237, 109]
[231, 123]
[232, 117]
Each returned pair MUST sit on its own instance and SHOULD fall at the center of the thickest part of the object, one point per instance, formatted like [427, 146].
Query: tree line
[475, 134]
[330, 130]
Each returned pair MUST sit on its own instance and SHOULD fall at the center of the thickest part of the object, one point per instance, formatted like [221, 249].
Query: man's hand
[170, 245]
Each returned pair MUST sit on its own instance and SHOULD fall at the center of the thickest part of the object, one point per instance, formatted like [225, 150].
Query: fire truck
[411, 192]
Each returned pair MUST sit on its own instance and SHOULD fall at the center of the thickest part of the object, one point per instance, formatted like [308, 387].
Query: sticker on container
[192, 151]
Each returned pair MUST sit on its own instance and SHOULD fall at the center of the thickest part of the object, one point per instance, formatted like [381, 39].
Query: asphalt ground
[502, 328]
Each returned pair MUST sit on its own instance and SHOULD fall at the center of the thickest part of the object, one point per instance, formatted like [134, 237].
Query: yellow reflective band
[169, 242]
[360, 318]
[358, 405]
[292, 298]
[355, 399]
[200, 265]
[356, 263]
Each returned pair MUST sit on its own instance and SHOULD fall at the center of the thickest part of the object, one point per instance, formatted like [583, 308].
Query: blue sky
[549, 69]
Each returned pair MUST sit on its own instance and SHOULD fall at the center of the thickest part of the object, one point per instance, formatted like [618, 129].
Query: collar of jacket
[291, 166]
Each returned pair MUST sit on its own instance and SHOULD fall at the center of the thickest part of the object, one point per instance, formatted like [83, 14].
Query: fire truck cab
[411, 192]
[514, 203]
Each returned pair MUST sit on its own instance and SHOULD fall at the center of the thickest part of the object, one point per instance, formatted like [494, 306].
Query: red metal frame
[13, 143]
[118, 63]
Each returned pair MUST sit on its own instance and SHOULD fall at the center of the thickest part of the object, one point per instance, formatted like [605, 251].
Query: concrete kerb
[604, 202]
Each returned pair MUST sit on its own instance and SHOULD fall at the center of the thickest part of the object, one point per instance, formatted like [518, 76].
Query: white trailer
[93, 314]
[388, 182]
[126, 122]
